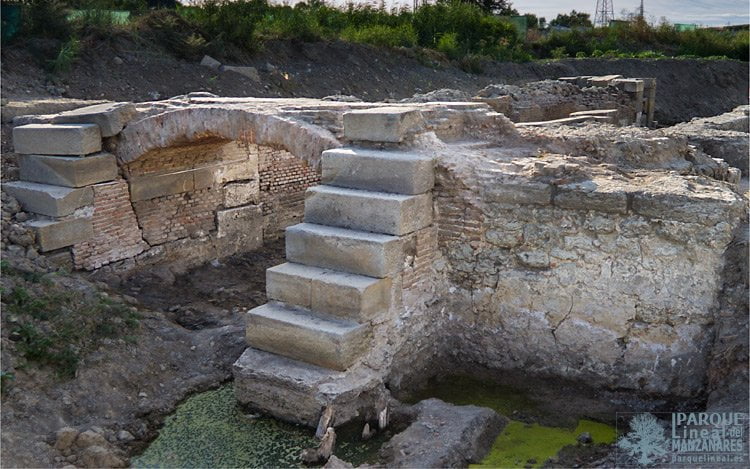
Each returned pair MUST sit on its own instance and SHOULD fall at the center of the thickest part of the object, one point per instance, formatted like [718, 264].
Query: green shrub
[559, 53]
[382, 35]
[46, 18]
[448, 45]
[291, 23]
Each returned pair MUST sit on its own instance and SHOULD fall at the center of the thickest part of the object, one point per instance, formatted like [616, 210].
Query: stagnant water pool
[210, 430]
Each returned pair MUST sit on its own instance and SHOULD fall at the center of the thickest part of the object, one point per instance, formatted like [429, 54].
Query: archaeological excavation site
[491, 279]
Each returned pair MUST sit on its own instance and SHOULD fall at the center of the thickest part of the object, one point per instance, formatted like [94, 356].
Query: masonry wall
[193, 203]
[585, 287]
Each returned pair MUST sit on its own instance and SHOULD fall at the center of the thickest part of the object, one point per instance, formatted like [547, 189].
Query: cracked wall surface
[590, 252]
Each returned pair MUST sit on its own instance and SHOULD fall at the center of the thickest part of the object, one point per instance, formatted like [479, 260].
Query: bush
[382, 35]
[46, 18]
[448, 45]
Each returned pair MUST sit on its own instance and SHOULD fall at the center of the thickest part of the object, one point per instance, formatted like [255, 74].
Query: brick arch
[183, 126]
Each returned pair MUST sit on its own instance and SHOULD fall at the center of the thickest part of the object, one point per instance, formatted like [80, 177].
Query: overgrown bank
[459, 30]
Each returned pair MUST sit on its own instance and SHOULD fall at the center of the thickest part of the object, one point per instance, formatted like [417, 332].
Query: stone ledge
[110, 117]
[57, 139]
[53, 201]
[68, 171]
[56, 234]
[382, 124]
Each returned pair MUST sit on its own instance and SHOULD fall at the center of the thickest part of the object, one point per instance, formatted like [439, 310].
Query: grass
[54, 326]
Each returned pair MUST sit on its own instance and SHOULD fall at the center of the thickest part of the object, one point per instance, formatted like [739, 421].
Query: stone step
[356, 252]
[45, 199]
[68, 171]
[303, 335]
[379, 212]
[57, 139]
[341, 294]
[297, 392]
[56, 234]
[382, 124]
[383, 171]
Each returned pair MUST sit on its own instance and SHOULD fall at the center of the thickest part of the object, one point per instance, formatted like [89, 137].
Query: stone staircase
[342, 272]
[59, 164]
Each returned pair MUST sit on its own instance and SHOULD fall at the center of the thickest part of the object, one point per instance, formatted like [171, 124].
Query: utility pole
[605, 12]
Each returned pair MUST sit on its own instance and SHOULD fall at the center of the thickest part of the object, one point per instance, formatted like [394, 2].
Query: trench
[210, 429]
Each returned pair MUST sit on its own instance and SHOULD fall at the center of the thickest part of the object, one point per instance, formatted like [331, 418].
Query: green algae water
[520, 444]
[210, 430]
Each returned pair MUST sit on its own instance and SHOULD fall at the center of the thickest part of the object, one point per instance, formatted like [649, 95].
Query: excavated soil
[119, 69]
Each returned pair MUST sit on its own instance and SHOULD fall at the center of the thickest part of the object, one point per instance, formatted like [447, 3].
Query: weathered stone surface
[378, 212]
[357, 252]
[297, 392]
[631, 85]
[341, 294]
[241, 193]
[381, 124]
[57, 139]
[56, 234]
[387, 171]
[44, 199]
[592, 195]
[520, 193]
[240, 227]
[152, 186]
[681, 201]
[68, 171]
[444, 435]
[299, 334]
[210, 62]
[23, 112]
[110, 117]
[248, 72]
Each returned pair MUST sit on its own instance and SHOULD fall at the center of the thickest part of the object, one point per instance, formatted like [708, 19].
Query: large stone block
[297, 333]
[357, 252]
[378, 212]
[592, 195]
[57, 139]
[241, 227]
[152, 186]
[68, 171]
[53, 201]
[386, 171]
[110, 117]
[382, 124]
[56, 234]
[295, 391]
[537, 193]
[341, 294]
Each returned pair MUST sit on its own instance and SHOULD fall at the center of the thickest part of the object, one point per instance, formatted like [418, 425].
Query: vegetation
[55, 326]
[465, 31]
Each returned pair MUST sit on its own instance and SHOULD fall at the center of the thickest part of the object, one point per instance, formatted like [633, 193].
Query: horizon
[700, 12]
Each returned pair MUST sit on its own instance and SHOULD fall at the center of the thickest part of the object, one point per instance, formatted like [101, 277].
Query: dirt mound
[121, 69]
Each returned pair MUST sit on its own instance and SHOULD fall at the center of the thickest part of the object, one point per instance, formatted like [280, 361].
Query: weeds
[55, 327]
[68, 53]
[459, 30]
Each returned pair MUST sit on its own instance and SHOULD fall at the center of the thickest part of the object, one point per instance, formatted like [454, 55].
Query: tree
[575, 19]
[645, 442]
[534, 22]
[495, 7]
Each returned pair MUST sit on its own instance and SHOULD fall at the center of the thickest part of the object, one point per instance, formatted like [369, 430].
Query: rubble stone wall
[560, 280]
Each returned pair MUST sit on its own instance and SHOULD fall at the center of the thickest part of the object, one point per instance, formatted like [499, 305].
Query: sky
[702, 12]
[706, 12]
